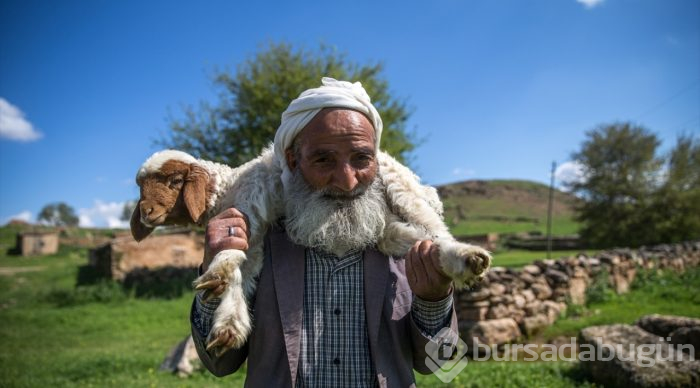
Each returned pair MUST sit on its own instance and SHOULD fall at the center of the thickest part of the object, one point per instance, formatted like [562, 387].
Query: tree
[128, 209]
[676, 204]
[58, 214]
[621, 171]
[252, 100]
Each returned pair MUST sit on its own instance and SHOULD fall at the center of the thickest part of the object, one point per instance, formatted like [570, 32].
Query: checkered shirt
[334, 339]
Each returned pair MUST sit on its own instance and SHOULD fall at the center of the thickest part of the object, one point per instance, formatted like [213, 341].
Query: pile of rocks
[658, 351]
[509, 303]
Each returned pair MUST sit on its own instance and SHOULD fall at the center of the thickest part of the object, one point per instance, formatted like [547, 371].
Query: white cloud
[25, 216]
[103, 214]
[590, 3]
[569, 172]
[458, 171]
[13, 125]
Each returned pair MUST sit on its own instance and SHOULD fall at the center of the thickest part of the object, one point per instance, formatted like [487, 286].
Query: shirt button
[337, 311]
[336, 361]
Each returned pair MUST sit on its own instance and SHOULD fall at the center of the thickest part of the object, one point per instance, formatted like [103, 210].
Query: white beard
[334, 222]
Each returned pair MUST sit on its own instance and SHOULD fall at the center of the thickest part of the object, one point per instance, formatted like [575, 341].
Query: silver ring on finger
[232, 231]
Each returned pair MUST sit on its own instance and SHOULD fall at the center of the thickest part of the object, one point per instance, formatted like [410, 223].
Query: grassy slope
[505, 206]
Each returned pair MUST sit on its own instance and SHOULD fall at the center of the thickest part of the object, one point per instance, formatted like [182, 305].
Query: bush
[101, 292]
[599, 290]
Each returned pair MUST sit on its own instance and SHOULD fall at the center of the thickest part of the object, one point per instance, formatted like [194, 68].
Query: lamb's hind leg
[231, 322]
[466, 264]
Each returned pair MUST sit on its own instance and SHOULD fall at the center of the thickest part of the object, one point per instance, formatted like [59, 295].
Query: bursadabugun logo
[446, 355]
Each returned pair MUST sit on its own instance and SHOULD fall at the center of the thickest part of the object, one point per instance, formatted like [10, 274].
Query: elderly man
[330, 310]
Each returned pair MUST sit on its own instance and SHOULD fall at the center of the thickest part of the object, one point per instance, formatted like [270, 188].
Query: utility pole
[549, 212]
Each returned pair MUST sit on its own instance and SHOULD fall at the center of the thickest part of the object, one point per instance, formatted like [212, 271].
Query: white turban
[332, 94]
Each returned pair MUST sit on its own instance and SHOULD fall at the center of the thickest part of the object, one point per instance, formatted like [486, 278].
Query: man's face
[336, 152]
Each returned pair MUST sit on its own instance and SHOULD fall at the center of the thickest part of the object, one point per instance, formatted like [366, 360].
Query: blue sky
[499, 89]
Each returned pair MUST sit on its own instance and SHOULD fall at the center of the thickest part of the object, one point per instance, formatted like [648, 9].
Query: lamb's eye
[176, 181]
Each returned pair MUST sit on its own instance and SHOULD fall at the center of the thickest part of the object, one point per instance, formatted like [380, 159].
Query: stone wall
[37, 243]
[511, 303]
[123, 256]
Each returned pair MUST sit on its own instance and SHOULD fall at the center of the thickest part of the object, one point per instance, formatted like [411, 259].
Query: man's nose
[344, 177]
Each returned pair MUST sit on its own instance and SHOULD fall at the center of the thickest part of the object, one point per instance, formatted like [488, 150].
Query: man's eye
[363, 159]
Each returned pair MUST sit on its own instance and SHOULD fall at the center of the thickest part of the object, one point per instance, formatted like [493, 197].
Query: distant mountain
[505, 206]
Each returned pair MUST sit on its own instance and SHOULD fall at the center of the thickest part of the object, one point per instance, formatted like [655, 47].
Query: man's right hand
[218, 237]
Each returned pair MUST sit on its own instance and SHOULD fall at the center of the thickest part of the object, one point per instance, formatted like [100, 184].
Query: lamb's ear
[138, 230]
[195, 191]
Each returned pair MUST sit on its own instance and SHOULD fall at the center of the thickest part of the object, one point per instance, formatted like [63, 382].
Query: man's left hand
[425, 276]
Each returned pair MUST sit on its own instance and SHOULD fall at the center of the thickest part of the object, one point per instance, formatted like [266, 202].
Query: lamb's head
[174, 191]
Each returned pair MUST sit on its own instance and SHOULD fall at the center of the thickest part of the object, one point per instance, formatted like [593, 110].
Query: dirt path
[9, 271]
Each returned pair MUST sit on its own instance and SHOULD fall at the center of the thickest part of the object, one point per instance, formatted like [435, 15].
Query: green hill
[505, 206]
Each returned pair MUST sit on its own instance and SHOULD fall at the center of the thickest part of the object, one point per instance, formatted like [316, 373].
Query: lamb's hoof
[478, 260]
[212, 283]
[225, 337]
[466, 264]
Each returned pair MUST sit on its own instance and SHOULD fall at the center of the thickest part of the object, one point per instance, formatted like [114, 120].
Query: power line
[666, 101]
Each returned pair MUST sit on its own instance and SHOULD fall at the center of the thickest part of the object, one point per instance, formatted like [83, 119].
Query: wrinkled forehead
[338, 125]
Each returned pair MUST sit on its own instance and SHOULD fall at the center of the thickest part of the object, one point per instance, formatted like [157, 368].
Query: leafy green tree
[621, 171]
[127, 210]
[252, 99]
[676, 204]
[58, 214]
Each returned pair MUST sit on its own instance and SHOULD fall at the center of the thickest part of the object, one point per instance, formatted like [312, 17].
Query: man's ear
[138, 230]
[195, 191]
[291, 158]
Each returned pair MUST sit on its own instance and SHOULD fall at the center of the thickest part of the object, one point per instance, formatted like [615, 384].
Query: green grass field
[56, 334]
[516, 258]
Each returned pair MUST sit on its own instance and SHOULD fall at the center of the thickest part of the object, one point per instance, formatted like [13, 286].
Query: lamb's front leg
[231, 321]
[466, 264]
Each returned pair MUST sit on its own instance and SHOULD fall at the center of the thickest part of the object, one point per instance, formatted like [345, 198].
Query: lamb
[178, 189]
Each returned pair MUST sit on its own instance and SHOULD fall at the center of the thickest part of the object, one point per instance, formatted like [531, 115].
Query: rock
[475, 311]
[474, 295]
[533, 308]
[532, 270]
[664, 325]
[620, 282]
[497, 300]
[519, 301]
[494, 331]
[497, 289]
[527, 278]
[498, 311]
[577, 291]
[580, 272]
[611, 259]
[541, 291]
[543, 264]
[626, 356]
[535, 324]
[686, 335]
[560, 294]
[555, 277]
[182, 359]
[552, 310]
[516, 313]
[529, 295]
